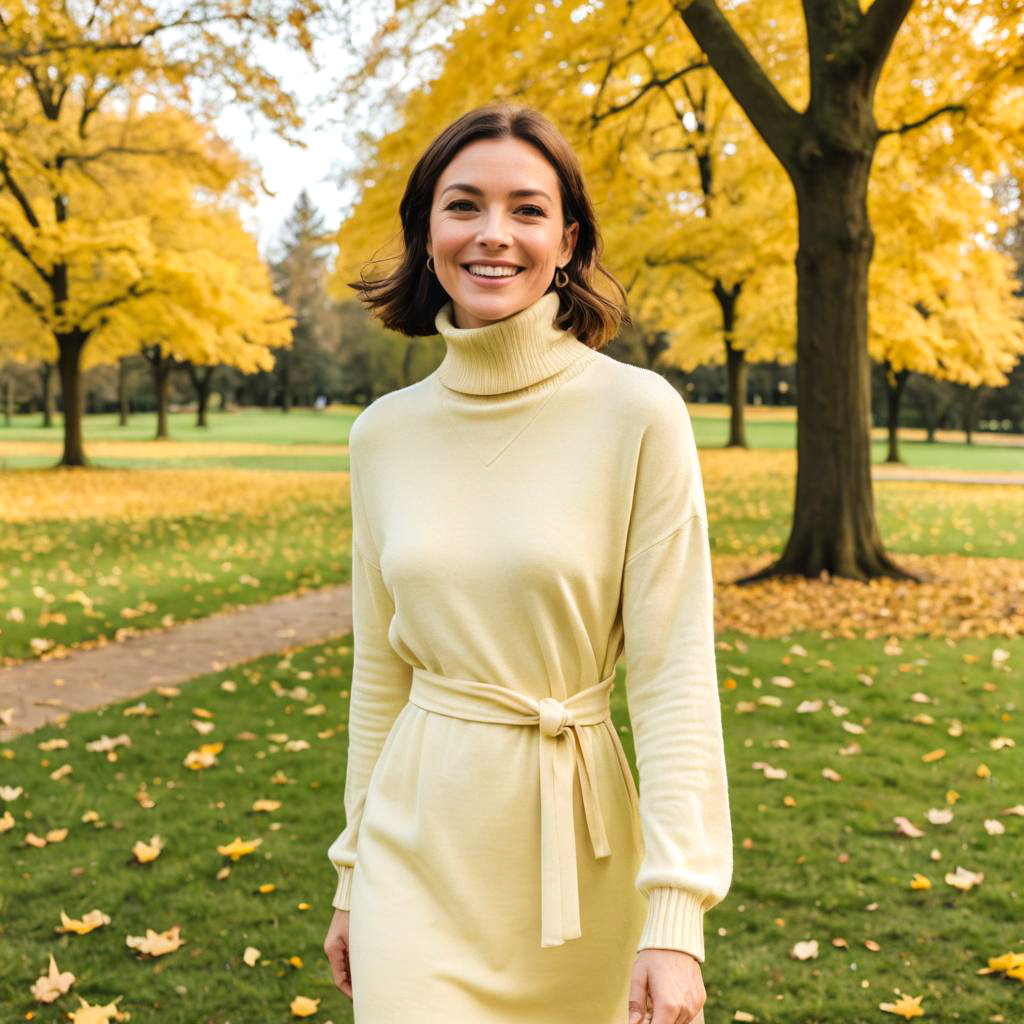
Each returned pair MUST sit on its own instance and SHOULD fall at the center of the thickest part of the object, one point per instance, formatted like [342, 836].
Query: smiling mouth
[492, 277]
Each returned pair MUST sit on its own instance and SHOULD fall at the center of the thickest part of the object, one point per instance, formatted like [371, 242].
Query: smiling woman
[496, 212]
[522, 517]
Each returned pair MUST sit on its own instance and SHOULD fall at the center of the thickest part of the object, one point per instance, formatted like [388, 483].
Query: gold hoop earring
[430, 266]
[561, 284]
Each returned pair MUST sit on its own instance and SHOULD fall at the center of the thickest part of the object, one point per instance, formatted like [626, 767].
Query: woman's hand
[671, 982]
[336, 948]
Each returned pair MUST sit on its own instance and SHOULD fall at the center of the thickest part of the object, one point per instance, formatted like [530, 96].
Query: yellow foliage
[139, 495]
[131, 237]
[692, 204]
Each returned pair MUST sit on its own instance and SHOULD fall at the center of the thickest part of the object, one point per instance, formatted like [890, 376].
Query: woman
[522, 517]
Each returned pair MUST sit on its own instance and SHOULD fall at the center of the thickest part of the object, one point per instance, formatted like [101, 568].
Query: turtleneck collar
[508, 354]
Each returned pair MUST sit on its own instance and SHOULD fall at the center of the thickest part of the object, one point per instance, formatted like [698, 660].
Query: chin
[491, 307]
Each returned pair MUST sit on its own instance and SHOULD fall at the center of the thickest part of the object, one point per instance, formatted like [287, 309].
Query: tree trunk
[123, 401]
[968, 410]
[834, 531]
[46, 380]
[736, 365]
[286, 380]
[161, 382]
[8, 395]
[69, 362]
[895, 382]
[826, 149]
[202, 383]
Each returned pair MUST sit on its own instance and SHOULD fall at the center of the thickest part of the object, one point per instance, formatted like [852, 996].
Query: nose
[494, 232]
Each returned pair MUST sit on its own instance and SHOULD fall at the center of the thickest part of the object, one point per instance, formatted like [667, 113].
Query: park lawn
[111, 551]
[87, 555]
[814, 859]
[256, 426]
[769, 429]
[327, 463]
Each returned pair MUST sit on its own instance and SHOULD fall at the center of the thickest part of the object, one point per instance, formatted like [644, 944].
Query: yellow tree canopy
[151, 249]
[685, 192]
[199, 55]
[652, 123]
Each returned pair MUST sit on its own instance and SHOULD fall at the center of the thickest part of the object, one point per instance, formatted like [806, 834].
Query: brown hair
[408, 299]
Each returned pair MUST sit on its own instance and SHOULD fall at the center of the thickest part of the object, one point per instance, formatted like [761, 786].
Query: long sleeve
[381, 680]
[672, 687]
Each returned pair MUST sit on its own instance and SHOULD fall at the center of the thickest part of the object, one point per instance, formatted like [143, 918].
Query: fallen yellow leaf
[906, 1007]
[94, 919]
[156, 943]
[53, 984]
[303, 1006]
[145, 852]
[95, 1013]
[239, 847]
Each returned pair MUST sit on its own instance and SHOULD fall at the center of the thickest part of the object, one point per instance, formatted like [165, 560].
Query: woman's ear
[569, 240]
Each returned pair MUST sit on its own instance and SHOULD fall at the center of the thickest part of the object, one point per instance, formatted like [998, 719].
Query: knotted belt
[565, 746]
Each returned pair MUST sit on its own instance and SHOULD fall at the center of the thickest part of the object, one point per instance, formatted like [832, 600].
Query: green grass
[309, 463]
[790, 881]
[304, 426]
[256, 426]
[185, 567]
[754, 514]
[712, 431]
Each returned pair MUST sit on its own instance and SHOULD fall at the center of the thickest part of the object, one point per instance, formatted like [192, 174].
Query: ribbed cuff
[343, 894]
[675, 920]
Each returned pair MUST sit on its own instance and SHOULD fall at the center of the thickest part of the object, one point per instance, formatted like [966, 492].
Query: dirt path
[37, 692]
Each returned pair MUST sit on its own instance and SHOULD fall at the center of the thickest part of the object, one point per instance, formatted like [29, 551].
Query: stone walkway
[35, 693]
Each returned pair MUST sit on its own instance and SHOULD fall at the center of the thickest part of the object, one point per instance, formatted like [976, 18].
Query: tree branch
[772, 117]
[19, 247]
[873, 37]
[135, 291]
[26, 297]
[653, 83]
[20, 197]
[949, 108]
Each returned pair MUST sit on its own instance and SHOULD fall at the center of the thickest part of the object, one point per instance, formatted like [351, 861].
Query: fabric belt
[565, 747]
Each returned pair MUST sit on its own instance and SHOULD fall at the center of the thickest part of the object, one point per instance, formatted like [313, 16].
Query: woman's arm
[672, 687]
[381, 680]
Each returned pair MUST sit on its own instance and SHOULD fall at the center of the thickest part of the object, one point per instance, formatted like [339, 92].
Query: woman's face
[497, 202]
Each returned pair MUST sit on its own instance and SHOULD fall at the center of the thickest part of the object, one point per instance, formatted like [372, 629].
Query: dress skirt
[445, 918]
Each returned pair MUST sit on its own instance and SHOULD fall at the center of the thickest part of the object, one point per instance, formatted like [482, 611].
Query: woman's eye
[531, 211]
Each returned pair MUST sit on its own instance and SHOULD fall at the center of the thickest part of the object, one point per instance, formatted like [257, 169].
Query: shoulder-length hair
[408, 299]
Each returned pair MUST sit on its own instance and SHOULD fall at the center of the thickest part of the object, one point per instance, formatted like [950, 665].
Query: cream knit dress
[521, 518]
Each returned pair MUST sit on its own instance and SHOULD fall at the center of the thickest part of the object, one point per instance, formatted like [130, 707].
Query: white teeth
[484, 270]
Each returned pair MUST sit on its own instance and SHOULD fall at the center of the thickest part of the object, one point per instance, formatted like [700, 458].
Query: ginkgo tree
[943, 300]
[222, 309]
[80, 88]
[139, 249]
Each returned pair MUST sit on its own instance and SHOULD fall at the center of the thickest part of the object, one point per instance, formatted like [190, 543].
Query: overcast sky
[288, 169]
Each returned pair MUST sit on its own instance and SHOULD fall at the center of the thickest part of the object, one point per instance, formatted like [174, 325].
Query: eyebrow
[515, 193]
